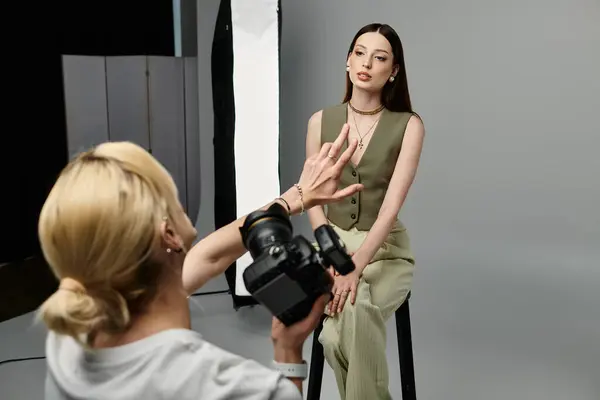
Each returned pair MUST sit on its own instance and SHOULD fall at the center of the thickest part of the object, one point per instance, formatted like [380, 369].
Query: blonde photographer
[116, 236]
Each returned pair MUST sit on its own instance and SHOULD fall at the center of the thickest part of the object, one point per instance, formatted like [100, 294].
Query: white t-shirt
[174, 364]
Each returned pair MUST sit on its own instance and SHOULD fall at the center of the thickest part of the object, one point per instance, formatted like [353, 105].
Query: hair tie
[71, 285]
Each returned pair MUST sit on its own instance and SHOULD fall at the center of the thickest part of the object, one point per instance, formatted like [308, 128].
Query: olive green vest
[374, 170]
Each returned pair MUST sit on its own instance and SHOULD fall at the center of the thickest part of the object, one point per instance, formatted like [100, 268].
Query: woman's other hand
[344, 288]
[320, 177]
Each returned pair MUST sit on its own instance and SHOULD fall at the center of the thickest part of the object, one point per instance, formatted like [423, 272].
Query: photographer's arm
[401, 181]
[316, 215]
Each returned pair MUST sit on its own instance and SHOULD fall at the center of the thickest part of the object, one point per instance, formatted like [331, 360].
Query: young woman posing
[390, 137]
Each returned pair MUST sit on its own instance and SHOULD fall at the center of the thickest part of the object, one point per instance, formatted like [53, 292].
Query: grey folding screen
[148, 100]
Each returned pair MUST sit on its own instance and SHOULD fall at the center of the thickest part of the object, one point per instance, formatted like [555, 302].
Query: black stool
[405, 353]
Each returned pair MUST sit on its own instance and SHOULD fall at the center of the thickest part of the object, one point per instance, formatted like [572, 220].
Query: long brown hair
[395, 95]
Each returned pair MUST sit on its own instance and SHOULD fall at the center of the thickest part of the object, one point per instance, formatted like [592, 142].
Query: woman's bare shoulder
[315, 119]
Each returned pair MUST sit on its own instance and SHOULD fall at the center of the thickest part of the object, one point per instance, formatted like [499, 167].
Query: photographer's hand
[288, 341]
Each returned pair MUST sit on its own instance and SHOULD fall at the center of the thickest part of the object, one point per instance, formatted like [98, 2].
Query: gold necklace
[360, 142]
[370, 112]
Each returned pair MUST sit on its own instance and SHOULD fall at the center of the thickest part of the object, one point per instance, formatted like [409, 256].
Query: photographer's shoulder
[202, 367]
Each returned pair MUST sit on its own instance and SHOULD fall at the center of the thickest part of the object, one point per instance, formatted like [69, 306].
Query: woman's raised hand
[320, 177]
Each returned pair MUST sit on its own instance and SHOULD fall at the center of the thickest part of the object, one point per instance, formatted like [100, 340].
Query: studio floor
[446, 368]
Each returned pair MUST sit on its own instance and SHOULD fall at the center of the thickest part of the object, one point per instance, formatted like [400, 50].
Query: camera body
[288, 274]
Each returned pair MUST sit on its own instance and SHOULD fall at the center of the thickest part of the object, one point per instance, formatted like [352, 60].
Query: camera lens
[263, 229]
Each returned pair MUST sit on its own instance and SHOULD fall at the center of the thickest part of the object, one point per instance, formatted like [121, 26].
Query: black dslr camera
[288, 274]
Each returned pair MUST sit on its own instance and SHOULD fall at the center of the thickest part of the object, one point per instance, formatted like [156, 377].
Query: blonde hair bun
[100, 228]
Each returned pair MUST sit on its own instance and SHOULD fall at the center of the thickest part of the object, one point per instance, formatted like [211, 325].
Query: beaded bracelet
[301, 197]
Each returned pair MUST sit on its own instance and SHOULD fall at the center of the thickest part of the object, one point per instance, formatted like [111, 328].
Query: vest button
[353, 216]
[353, 173]
[353, 201]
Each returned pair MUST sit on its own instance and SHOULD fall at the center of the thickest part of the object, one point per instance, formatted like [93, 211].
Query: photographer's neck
[169, 310]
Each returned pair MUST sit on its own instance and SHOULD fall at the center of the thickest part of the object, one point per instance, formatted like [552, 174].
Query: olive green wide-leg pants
[354, 341]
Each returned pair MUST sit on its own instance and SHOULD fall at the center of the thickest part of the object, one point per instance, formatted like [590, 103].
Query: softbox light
[245, 82]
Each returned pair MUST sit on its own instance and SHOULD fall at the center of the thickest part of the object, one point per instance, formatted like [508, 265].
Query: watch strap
[292, 370]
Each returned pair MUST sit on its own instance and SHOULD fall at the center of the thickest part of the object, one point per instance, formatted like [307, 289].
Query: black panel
[279, 23]
[34, 122]
[116, 27]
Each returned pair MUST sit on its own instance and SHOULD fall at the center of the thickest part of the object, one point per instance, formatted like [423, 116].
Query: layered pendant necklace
[372, 112]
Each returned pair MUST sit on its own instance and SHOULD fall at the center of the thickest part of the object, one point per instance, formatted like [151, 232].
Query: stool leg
[317, 362]
[405, 352]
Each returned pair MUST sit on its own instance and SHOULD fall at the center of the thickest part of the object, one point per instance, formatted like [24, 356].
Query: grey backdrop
[504, 213]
